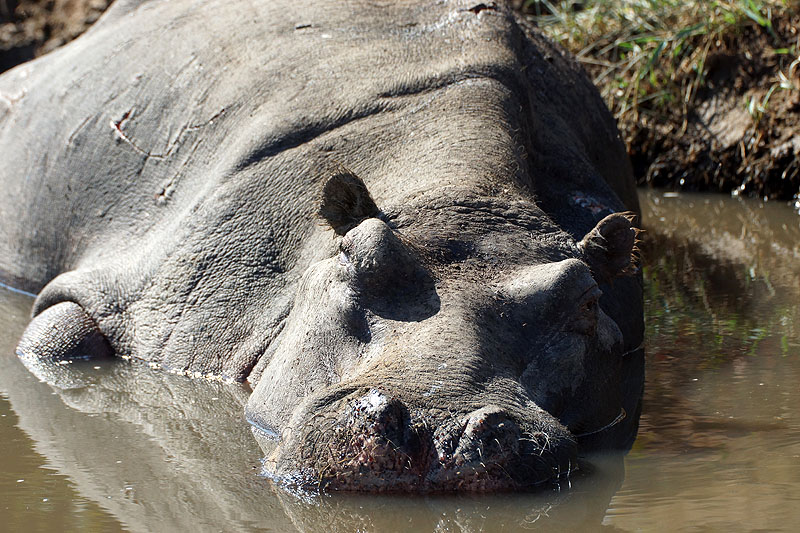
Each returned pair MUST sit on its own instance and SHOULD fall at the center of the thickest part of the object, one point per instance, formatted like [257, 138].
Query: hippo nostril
[378, 415]
[490, 435]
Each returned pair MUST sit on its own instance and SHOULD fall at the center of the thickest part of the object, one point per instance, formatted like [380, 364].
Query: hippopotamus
[410, 226]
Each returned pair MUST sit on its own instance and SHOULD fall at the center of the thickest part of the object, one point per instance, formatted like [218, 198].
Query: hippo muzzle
[369, 441]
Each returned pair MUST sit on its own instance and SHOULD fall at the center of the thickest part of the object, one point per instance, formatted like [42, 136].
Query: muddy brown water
[120, 447]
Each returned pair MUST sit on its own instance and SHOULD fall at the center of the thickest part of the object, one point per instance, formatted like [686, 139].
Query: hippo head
[452, 342]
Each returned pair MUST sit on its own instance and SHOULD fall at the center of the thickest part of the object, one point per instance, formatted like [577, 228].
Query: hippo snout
[379, 443]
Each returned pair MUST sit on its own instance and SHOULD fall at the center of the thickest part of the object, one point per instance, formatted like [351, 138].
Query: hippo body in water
[407, 225]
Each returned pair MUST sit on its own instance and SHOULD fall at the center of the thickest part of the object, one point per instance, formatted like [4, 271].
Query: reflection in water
[579, 509]
[33, 495]
[722, 305]
[118, 446]
[719, 441]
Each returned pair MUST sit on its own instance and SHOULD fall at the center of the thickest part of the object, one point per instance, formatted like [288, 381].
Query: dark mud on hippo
[409, 227]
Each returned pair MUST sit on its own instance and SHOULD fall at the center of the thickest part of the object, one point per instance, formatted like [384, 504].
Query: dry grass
[649, 56]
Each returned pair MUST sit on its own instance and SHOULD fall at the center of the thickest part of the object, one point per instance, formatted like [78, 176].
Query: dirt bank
[706, 94]
[739, 133]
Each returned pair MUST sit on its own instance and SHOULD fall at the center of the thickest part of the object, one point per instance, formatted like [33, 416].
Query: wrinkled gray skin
[394, 220]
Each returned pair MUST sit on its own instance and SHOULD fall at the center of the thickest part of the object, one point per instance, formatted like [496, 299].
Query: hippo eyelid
[584, 321]
[590, 295]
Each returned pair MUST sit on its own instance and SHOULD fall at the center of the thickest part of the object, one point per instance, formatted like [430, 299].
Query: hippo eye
[585, 320]
[589, 306]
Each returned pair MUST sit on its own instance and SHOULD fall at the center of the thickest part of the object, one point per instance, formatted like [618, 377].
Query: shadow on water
[119, 446]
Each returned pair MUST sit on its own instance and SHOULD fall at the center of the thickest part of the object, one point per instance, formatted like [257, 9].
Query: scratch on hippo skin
[75, 132]
[491, 6]
[167, 189]
[214, 117]
[10, 100]
[117, 126]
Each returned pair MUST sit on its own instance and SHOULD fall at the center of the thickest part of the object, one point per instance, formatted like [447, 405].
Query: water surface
[118, 446]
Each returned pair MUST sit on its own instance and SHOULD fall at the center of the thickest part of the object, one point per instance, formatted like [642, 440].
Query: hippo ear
[346, 201]
[610, 248]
